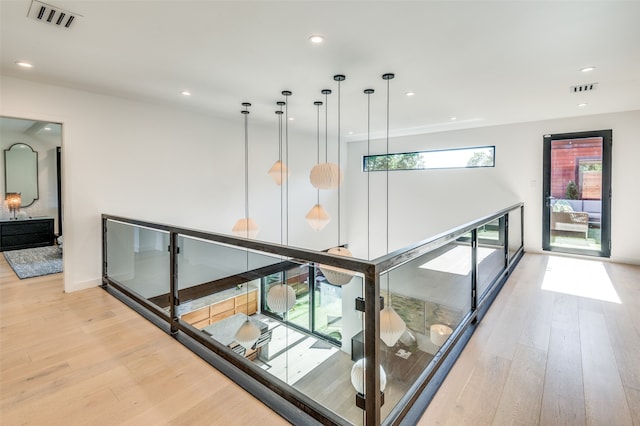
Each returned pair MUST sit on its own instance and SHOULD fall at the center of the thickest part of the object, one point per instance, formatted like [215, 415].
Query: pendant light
[439, 333]
[358, 372]
[246, 227]
[318, 217]
[279, 171]
[248, 333]
[334, 275]
[326, 175]
[391, 325]
[281, 297]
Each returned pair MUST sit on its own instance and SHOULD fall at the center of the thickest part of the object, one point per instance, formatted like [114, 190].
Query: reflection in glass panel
[515, 231]
[298, 279]
[327, 366]
[432, 295]
[327, 300]
[217, 300]
[490, 254]
[138, 259]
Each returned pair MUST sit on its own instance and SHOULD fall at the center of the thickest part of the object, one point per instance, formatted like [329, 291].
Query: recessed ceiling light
[24, 64]
[410, 93]
[291, 118]
[454, 118]
[582, 105]
[587, 69]
[316, 39]
[185, 93]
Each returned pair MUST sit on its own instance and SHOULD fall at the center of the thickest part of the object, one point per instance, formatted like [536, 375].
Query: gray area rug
[35, 262]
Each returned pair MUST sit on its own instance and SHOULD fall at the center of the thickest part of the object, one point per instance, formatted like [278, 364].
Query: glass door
[577, 193]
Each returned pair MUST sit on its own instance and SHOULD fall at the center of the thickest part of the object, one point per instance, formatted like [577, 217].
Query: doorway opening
[577, 193]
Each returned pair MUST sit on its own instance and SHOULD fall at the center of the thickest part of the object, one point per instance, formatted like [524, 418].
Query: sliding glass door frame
[605, 221]
[311, 329]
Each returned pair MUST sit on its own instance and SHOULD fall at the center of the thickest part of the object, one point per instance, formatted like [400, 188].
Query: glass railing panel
[201, 261]
[325, 343]
[515, 231]
[490, 254]
[217, 281]
[302, 324]
[138, 258]
[432, 295]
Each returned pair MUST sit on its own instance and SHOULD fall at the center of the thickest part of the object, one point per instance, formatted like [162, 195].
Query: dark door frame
[605, 221]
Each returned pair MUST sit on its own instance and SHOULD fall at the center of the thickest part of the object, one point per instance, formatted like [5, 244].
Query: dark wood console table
[26, 233]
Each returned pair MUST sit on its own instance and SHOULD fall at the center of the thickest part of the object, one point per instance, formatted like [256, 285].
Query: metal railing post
[373, 400]
[173, 282]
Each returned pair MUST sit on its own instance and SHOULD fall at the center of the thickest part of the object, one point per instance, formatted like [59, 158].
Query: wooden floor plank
[605, 399]
[563, 397]
[591, 349]
[86, 358]
[522, 394]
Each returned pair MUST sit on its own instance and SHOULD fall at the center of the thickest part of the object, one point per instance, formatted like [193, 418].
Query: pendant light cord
[326, 125]
[279, 114]
[388, 77]
[368, 92]
[286, 94]
[339, 169]
[246, 189]
[318, 144]
[246, 168]
[387, 166]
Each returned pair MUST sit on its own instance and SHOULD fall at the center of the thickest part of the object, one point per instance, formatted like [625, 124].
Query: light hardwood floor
[542, 357]
[84, 358]
[538, 357]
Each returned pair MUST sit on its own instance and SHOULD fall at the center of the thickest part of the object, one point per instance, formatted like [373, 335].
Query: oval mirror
[21, 172]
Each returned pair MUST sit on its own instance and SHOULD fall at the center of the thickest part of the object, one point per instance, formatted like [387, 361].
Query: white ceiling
[485, 63]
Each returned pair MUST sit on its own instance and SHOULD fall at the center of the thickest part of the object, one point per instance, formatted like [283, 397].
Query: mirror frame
[7, 173]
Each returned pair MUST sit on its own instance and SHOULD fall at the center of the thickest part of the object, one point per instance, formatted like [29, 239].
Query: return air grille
[50, 14]
[583, 88]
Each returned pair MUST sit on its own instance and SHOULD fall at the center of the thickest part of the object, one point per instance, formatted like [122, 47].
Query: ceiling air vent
[583, 88]
[50, 14]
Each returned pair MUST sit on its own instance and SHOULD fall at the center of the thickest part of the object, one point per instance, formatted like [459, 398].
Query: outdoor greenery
[480, 159]
[572, 191]
[407, 161]
[591, 167]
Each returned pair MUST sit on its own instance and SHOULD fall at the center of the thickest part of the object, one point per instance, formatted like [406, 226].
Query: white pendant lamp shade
[391, 326]
[335, 275]
[318, 217]
[357, 376]
[440, 333]
[281, 298]
[247, 334]
[326, 176]
[279, 172]
[246, 228]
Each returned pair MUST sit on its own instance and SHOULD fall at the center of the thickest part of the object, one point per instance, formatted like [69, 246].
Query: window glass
[483, 156]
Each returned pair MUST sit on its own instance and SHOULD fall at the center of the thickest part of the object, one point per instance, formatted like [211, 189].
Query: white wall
[47, 203]
[424, 203]
[159, 164]
[173, 166]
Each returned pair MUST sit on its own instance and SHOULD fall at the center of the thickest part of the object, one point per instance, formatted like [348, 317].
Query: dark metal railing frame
[371, 271]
